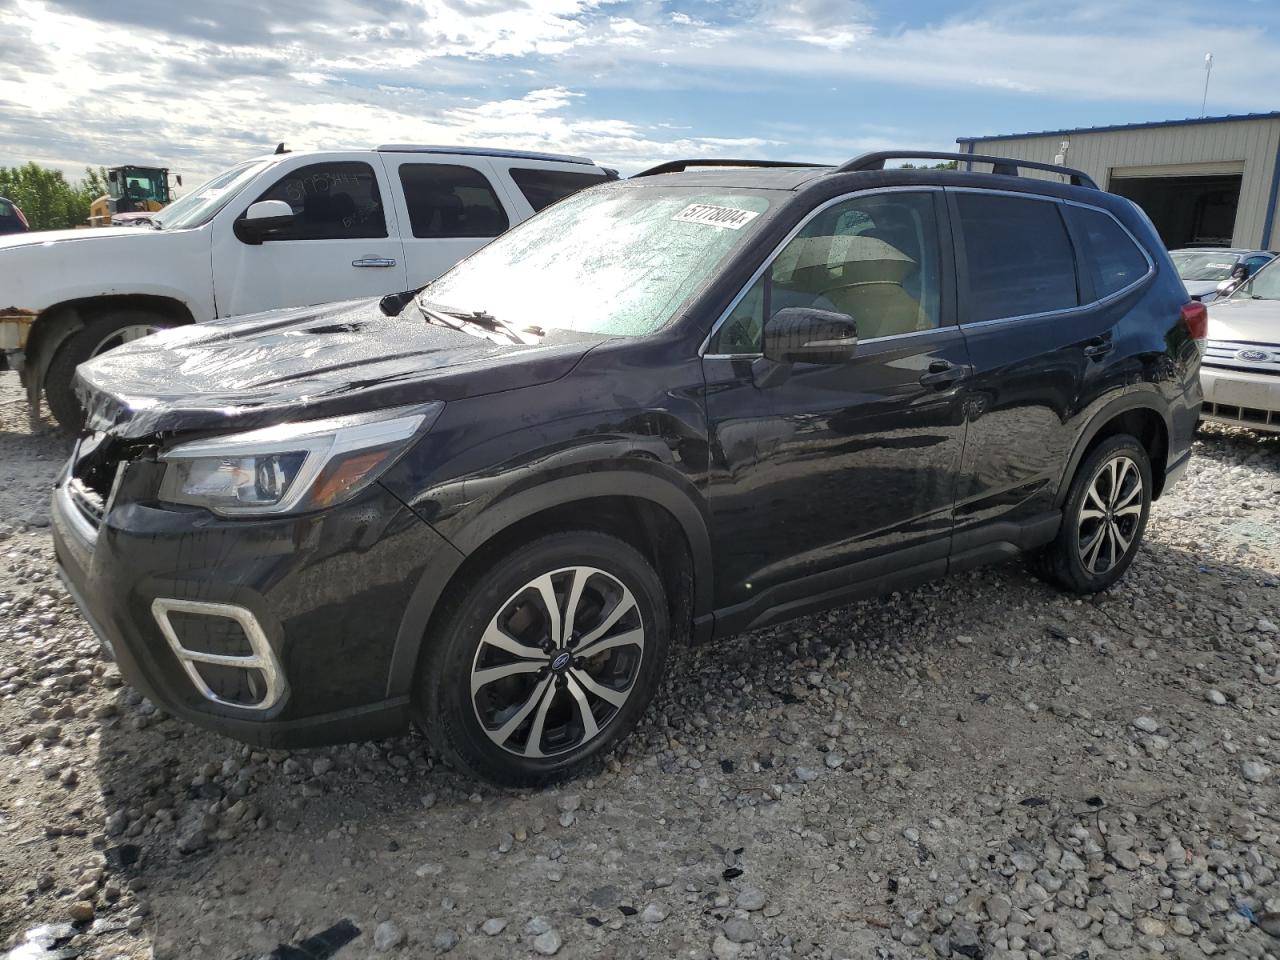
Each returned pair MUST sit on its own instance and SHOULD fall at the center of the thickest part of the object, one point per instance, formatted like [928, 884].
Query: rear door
[343, 244]
[839, 474]
[449, 206]
[1043, 335]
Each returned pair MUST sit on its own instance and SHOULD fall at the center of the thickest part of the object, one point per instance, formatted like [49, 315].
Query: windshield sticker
[1221, 266]
[712, 216]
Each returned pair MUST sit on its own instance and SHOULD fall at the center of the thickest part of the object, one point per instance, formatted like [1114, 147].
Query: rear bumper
[1240, 398]
[328, 592]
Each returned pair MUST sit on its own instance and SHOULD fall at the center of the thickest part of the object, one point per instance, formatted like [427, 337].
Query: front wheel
[104, 332]
[547, 659]
[1103, 518]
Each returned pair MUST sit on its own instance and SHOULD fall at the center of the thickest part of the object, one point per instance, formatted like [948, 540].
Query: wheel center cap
[561, 663]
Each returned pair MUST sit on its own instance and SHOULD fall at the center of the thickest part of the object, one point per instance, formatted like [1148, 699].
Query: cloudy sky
[198, 85]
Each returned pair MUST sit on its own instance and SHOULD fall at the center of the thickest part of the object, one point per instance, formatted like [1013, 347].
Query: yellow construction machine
[133, 193]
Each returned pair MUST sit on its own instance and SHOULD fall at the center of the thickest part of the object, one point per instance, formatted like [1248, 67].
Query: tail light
[21, 216]
[1196, 317]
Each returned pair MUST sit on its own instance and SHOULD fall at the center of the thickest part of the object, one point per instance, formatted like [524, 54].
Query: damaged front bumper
[280, 632]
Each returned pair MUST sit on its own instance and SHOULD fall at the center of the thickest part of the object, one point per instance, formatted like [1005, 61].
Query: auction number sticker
[714, 216]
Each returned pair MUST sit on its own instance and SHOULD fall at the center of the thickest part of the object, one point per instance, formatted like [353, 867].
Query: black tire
[1064, 561]
[95, 337]
[448, 709]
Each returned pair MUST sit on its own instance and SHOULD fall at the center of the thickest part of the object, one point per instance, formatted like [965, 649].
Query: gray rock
[493, 926]
[444, 941]
[548, 944]
[806, 774]
[537, 925]
[737, 930]
[751, 899]
[387, 936]
[1255, 771]
[1216, 697]
[1146, 724]
[569, 802]
[653, 913]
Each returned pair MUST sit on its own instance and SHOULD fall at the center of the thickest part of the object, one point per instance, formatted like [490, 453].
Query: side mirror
[262, 218]
[809, 335]
[112, 176]
[179, 179]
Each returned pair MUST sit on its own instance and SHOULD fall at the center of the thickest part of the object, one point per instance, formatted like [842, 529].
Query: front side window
[1110, 256]
[330, 201]
[542, 188]
[875, 258]
[1019, 257]
[448, 200]
[619, 260]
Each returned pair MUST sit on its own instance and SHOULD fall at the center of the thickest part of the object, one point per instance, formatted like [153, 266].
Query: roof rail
[1001, 165]
[679, 166]
[482, 152]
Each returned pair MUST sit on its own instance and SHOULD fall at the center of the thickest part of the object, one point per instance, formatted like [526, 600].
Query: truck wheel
[545, 660]
[104, 332]
[1103, 518]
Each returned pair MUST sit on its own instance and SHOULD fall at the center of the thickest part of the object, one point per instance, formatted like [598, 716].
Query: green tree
[47, 199]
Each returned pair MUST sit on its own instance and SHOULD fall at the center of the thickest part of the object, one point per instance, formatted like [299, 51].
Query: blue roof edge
[1153, 124]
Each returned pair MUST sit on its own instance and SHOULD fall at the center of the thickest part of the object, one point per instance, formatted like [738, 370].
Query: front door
[848, 471]
[343, 244]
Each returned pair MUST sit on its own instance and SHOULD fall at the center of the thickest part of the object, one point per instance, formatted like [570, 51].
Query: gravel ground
[981, 768]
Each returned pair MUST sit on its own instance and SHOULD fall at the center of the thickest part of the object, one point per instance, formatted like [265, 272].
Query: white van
[283, 230]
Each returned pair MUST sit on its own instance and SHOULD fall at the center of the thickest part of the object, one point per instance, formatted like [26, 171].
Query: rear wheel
[104, 332]
[1103, 519]
[546, 660]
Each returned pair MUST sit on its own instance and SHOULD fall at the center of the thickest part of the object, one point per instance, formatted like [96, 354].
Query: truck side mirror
[809, 335]
[261, 219]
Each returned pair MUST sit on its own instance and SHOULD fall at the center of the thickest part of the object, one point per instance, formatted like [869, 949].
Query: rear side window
[542, 188]
[1019, 257]
[1110, 256]
[330, 201]
[447, 200]
[6, 211]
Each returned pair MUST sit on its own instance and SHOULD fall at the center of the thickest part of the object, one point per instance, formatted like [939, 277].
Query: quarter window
[544, 187]
[1110, 256]
[1019, 257]
[874, 258]
[447, 200]
[330, 201]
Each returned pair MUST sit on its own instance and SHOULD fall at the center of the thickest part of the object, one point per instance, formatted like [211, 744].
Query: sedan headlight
[291, 467]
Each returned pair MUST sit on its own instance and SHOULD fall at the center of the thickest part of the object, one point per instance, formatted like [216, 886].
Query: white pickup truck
[284, 230]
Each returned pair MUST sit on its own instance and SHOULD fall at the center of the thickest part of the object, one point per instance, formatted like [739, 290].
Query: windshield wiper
[476, 318]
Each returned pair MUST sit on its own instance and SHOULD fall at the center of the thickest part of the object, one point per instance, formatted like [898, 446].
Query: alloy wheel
[557, 662]
[1110, 514]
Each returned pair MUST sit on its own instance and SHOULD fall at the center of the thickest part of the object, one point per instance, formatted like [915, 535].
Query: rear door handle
[374, 262]
[1096, 347]
[943, 372]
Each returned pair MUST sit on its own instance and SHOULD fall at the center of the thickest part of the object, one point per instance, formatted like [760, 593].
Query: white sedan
[1240, 372]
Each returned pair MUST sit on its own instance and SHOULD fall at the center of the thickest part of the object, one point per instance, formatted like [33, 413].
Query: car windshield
[1265, 285]
[199, 206]
[1204, 266]
[618, 259]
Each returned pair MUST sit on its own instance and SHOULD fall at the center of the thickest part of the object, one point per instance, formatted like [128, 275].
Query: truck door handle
[374, 262]
[1096, 347]
[943, 372]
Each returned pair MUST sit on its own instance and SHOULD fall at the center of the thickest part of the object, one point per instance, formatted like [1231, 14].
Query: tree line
[47, 199]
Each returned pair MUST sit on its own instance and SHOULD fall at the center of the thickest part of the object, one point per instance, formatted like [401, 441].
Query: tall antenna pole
[1208, 69]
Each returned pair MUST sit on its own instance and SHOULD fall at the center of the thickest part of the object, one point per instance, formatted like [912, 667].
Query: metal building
[1209, 181]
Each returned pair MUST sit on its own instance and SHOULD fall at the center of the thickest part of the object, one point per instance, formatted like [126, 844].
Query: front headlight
[291, 467]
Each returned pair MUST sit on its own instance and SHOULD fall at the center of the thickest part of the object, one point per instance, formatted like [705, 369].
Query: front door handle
[943, 372]
[1096, 347]
[374, 262]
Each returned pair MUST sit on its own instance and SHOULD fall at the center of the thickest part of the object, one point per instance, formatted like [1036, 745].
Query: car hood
[1200, 288]
[1245, 321]
[302, 364]
[37, 237]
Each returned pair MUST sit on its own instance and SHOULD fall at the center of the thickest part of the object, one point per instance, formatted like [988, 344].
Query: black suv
[664, 410]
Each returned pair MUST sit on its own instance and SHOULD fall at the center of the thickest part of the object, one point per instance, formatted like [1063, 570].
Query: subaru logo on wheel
[560, 662]
[1254, 356]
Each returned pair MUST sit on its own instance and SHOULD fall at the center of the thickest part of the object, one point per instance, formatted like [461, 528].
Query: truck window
[544, 187]
[447, 200]
[338, 200]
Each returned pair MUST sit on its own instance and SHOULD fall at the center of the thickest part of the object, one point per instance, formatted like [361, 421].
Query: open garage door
[1192, 205]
